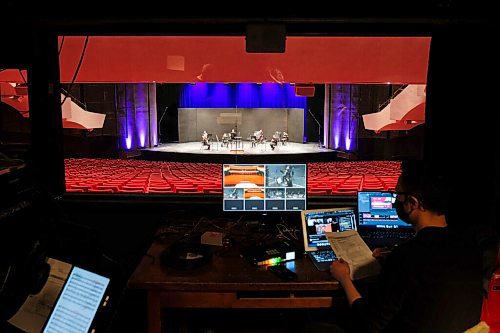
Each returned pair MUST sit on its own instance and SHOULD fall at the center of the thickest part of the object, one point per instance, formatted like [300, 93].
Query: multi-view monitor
[264, 187]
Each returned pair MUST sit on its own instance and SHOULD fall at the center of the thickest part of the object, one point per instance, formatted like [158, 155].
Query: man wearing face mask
[432, 283]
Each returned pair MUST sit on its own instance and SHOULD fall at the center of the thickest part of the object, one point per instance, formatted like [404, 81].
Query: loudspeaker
[304, 90]
[265, 38]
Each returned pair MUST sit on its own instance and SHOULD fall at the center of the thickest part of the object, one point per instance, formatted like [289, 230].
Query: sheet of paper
[349, 246]
[36, 309]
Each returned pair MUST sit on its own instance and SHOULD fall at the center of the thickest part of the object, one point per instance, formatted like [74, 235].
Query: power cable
[77, 68]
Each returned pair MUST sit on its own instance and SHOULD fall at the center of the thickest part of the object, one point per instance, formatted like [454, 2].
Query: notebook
[378, 222]
[315, 223]
[77, 305]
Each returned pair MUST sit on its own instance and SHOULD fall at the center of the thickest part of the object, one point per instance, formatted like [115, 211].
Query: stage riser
[231, 158]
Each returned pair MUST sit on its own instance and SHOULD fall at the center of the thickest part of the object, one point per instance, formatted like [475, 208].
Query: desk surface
[227, 271]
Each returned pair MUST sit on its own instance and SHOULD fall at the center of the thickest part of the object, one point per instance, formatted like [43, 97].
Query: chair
[217, 138]
[263, 144]
[209, 144]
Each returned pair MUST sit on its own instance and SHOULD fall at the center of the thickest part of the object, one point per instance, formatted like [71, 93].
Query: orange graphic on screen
[244, 175]
[254, 193]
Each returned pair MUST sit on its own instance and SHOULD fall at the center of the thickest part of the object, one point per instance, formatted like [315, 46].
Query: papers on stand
[34, 312]
[349, 246]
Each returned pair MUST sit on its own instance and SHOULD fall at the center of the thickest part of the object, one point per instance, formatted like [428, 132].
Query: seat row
[140, 176]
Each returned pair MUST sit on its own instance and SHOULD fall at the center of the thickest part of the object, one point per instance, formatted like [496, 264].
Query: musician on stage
[274, 141]
[225, 139]
[284, 137]
[257, 137]
[287, 176]
[204, 140]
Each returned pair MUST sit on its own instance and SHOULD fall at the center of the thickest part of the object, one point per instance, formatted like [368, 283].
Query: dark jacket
[432, 283]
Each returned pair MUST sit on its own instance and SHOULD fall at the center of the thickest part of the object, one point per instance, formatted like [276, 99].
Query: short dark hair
[429, 186]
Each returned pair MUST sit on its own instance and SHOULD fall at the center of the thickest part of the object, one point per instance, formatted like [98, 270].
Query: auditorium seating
[158, 177]
[491, 305]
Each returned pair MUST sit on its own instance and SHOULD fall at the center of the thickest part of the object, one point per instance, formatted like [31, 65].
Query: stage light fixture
[304, 90]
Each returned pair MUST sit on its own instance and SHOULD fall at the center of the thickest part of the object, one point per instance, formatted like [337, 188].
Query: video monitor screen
[264, 187]
[375, 210]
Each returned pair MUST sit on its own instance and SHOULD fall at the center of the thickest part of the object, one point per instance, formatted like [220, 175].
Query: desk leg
[154, 312]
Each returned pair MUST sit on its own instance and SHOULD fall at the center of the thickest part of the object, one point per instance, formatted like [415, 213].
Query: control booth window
[161, 115]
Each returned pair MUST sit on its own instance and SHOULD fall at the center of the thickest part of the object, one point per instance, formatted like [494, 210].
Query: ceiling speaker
[304, 90]
[265, 38]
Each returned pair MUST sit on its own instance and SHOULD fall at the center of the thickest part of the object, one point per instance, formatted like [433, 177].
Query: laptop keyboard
[324, 255]
[387, 234]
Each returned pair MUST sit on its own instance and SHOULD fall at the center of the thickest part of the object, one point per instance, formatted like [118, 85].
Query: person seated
[257, 137]
[232, 134]
[284, 138]
[253, 138]
[260, 136]
[225, 139]
[274, 141]
[204, 140]
[431, 283]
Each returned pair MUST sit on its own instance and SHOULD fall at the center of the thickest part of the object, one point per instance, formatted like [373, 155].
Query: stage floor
[195, 152]
[245, 149]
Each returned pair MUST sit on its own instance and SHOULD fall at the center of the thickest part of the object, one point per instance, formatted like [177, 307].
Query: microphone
[319, 127]
[163, 114]
[159, 122]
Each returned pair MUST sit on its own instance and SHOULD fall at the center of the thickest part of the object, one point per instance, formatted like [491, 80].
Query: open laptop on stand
[314, 225]
[378, 222]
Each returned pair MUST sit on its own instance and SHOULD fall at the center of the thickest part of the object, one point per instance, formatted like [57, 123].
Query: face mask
[399, 206]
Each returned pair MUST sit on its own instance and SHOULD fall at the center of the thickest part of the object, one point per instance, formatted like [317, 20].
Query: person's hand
[340, 270]
[381, 252]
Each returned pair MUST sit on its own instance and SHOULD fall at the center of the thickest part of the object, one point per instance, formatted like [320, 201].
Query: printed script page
[349, 246]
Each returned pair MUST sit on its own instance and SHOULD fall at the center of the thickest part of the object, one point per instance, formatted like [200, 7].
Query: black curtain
[167, 101]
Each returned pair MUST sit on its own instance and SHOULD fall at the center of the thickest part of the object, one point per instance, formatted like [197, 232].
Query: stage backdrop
[193, 121]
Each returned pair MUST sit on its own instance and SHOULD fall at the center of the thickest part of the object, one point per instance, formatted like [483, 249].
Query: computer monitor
[376, 210]
[264, 187]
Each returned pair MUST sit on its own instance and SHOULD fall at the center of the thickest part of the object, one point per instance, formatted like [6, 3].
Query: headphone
[186, 255]
[23, 271]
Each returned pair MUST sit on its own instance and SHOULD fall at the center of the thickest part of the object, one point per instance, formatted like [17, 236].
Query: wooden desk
[228, 281]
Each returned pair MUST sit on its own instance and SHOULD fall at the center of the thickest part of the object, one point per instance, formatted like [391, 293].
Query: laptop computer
[314, 225]
[378, 222]
[75, 310]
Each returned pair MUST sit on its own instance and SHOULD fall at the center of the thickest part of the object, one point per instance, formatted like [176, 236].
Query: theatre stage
[244, 153]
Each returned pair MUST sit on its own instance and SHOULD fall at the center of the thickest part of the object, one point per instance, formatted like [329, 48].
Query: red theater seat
[69, 190]
[186, 190]
[113, 188]
[164, 191]
[212, 190]
[346, 191]
[319, 191]
[93, 190]
[491, 305]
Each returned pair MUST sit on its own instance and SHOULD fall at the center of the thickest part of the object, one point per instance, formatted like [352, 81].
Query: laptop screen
[78, 302]
[375, 210]
[316, 222]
